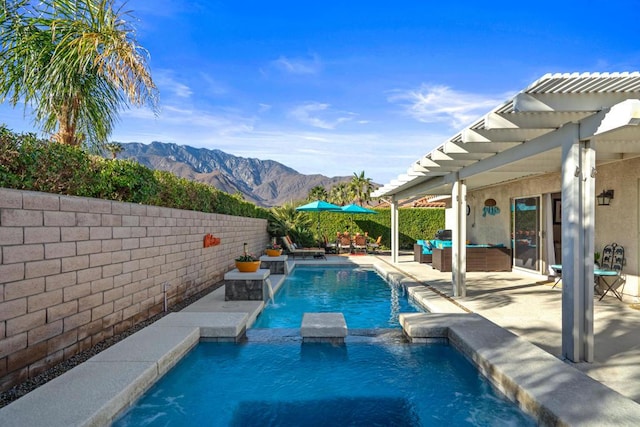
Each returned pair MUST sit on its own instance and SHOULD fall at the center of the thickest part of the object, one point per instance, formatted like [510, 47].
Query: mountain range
[263, 182]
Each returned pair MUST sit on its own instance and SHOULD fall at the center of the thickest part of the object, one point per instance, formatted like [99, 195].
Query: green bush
[125, 181]
[413, 224]
[29, 163]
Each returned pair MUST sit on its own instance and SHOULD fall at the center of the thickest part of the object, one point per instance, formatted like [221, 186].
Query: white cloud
[441, 104]
[263, 108]
[298, 65]
[167, 83]
[213, 86]
[320, 115]
[145, 113]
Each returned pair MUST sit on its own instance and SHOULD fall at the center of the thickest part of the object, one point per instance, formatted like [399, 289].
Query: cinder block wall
[75, 271]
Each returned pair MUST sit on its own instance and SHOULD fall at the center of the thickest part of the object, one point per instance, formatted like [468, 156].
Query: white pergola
[566, 123]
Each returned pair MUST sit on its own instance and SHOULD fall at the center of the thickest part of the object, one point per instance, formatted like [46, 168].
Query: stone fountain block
[275, 264]
[246, 286]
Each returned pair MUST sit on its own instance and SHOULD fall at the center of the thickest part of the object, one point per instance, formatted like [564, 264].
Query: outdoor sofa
[479, 257]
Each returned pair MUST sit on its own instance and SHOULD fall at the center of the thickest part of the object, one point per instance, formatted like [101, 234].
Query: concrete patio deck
[531, 309]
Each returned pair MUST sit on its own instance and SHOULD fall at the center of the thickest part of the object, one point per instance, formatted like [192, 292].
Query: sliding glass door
[526, 233]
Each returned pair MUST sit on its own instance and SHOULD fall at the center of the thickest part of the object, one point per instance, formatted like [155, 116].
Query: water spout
[267, 282]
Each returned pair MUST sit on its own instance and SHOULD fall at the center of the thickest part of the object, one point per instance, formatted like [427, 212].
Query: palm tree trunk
[67, 125]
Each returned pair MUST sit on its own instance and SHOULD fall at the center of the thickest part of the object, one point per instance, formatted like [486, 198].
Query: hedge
[29, 163]
[413, 223]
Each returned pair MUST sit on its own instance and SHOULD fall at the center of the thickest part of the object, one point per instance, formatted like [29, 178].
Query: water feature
[362, 295]
[282, 382]
[267, 283]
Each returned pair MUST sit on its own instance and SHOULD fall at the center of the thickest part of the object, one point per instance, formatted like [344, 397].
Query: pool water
[362, 295]
[292, 384]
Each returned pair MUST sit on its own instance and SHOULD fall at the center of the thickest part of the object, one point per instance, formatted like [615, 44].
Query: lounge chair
[344, 243]
[329, 247]
[360, 243]
[373, 247]
[294, 251]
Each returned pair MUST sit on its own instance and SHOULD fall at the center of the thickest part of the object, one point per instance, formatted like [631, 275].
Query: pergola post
[578, 194]
[458, 239]
[394, 231]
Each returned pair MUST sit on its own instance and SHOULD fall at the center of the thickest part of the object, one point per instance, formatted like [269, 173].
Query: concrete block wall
[75, 271]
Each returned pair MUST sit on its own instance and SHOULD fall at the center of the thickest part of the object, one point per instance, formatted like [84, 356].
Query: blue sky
[337, 87]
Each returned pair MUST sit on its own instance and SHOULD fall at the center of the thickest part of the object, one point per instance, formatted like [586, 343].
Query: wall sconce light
[605, 197]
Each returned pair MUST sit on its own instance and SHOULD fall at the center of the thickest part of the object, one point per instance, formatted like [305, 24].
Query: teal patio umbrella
[319, 206]
[356, 209]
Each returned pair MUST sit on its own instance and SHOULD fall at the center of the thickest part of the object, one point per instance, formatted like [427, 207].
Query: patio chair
[294, 251]
[373, 247]
[609, 275]
[360, 244]
[329, 247]
[344, 243]
[607, 257]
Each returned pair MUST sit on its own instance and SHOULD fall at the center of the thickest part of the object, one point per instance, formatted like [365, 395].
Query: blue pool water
[363, 296]
[292, 384]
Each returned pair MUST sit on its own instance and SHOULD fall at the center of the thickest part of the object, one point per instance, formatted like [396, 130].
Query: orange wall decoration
[209, 240]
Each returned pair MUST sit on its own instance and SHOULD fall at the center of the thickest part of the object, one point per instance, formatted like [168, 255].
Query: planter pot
[274, 252]
[247, 266]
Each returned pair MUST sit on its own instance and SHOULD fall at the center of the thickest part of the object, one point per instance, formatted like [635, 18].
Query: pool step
[323, 327]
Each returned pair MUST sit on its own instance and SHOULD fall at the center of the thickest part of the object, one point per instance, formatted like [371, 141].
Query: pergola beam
[566, 102]
[536, 146]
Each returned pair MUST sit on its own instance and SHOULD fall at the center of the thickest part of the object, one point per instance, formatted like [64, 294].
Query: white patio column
[458, 239]
[578, 194]
[394, 231]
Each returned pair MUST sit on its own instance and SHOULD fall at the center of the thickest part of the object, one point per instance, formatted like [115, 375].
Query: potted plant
[273, 249]
[247, 263]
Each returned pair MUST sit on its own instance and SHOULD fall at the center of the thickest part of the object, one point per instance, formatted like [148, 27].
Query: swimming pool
[287, 383]
[362, 295]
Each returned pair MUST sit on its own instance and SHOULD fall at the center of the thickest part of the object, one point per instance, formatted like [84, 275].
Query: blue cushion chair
[422, 251]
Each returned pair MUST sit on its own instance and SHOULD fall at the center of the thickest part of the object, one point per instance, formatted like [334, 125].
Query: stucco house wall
[75, 271]
[618, 222]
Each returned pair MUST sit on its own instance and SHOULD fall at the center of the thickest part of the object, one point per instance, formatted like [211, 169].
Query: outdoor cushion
[426, 246]
[441, 244]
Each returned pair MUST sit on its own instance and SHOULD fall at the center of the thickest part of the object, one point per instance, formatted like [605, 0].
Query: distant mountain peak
[264, 182]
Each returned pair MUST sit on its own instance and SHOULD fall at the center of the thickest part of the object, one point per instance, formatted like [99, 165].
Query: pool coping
[95, 392]
[551, 391]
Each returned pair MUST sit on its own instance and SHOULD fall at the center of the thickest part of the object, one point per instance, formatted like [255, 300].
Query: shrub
[124, 180]
[29, 163]
[414, 224]
[33, 164]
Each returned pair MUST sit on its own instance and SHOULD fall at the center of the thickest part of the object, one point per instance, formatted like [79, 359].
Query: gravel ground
[31, 384]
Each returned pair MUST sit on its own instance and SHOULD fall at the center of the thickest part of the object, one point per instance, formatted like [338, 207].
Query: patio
[548, 147]
[531, 309]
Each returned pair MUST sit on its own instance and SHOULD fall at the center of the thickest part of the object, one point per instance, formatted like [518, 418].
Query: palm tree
[340, 194]
[76, 62]
[286, 219]
[318, 193]
[361, 188]
[114, 148]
